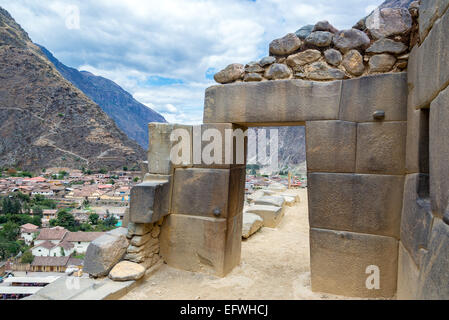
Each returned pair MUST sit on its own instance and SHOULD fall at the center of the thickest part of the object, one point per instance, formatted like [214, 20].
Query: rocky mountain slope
[396, 4]
[46, 121]
[131, 116]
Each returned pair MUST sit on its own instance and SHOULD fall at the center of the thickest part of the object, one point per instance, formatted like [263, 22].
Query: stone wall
[424, 248]
[377, 44]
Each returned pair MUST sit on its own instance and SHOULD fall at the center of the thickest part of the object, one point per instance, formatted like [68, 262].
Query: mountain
[131, 116]
[396, 4]
[45, 121]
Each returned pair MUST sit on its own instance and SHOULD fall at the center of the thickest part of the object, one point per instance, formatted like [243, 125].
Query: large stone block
[271, 215]
[104, 253]
[219, 145]
[434, 276]
[361, 97]
[357, 203]
[201, 244]
[428, 66]
[150, 201]
[340, 263]
[276, 201]
[209, 192]
[381, 147]
[160, 147]
[408, 276]
[417, 143]
[429, 12]
[439, 154]
[283, 101]
[331, 146]
[417, 217]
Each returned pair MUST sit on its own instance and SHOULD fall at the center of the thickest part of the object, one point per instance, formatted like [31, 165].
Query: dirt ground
[275, 265]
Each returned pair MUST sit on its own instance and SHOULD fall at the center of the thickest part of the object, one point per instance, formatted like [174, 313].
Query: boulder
[230, 74]
[319, 39]
[253, 67]
[387, 46]
[289, 200]
[324, 26]
[271, 215]
[104, 253]
[322, 71]
[353, 63]
[286, 45]
[333, 57]
[139, 229]
[278, 71]
[127, 271]
[302, 58]
[252, 77]
[267, 61]
[140, 240]
[351, 39]
[251, 224]
[388, 22]
[381, 62]
[277, 187]
[304, 32]
[270, 201]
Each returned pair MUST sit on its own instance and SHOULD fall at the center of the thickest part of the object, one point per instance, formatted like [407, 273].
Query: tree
[136, 179]
[27, 257]
[66, 220]
[93, 218]
[125, 168]
[10, 231]
[110, 221]
[38, 212]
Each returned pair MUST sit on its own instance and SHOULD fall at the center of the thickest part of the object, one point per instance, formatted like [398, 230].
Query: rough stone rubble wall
[424, 246]
[378, 44]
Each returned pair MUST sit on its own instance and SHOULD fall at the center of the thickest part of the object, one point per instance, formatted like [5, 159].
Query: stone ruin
[377, 161]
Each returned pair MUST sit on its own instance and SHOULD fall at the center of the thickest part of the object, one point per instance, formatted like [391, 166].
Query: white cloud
[160, 51]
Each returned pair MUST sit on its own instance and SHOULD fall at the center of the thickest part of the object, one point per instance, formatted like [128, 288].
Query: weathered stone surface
[389, 22]
[333, 57]
[353, 63]
[103, 253]
[139, 229]
[331, 146]
[381, 62]
[408, 276]
[428, 65]
[286, 45]
[339, 262]
[324, 26]
[276, 201]
[160, 147]
[126, 271]
[381, 147]
[150, 201]
[439, 154]
[303, 58]
[118, 232]
[136, 257]
[278, 71]
[278, 187]
[280, 101]
[201, 192]
[134, 249]
[253, 67]
[201, 244]
[251, 224]
[249, 77]
[319, 39]
[271, 215]
[351, 39]
[363, 96]
[266, 61]
[387, 46]
[429, 12]
[417, 146]
[434, 276]
[229, 74]
[357, 203]
[322, 71]
[417, 218]
[304, 32]
[288, 200]
[140, 240]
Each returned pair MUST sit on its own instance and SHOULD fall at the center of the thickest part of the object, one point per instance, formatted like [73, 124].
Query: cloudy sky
[165, 52]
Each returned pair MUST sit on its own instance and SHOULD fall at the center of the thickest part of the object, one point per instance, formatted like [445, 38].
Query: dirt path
[275, 265]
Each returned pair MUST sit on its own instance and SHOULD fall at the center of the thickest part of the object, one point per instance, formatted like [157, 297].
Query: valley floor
[275, 265]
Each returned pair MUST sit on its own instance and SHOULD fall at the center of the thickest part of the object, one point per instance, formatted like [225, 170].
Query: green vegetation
[27, 257]
[9, 245]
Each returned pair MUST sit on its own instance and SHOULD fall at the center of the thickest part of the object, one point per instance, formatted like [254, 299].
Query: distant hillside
[131, 116]
[45, 121]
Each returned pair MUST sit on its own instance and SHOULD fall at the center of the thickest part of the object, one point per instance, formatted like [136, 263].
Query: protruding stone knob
[217, 212]
[379, 115]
